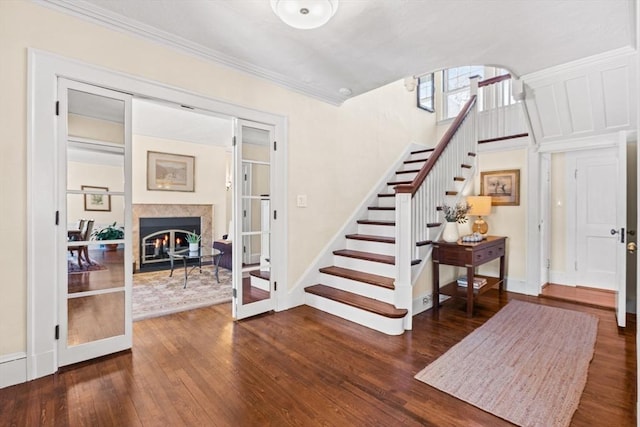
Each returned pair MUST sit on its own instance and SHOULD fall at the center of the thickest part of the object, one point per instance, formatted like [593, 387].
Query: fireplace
[159, 235]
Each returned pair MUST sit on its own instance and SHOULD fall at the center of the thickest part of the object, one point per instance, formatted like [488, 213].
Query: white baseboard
[521, 287]
[13, 369]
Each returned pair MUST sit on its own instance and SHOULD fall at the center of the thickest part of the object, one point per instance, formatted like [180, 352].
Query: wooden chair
[85, 235]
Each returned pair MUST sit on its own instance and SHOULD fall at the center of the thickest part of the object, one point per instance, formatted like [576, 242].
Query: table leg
[469, 291]
[184, 261]
[218, 266]
[501, 274]
[435, 295]
[171, 261]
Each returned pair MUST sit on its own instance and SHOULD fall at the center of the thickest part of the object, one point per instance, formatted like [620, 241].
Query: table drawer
[487, 254]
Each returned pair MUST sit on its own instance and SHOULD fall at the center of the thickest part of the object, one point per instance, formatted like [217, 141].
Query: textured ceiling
[370, 43]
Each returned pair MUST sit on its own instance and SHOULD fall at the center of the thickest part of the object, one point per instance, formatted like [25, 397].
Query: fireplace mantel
[205, 212]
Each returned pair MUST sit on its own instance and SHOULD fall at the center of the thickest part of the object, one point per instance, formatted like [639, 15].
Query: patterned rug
[156, 294]
[528, 364]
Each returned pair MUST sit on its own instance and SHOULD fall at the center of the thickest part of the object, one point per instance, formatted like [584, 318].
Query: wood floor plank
[300, 367]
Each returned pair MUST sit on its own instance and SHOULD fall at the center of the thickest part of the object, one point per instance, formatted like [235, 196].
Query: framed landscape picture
[95, 200]
[503, 187]
[170, 172]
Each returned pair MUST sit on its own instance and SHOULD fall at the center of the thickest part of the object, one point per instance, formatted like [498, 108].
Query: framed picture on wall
[95, 198]
[503, 187]
[170, 172]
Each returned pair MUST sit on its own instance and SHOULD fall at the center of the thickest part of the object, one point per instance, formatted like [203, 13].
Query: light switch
[301, 200]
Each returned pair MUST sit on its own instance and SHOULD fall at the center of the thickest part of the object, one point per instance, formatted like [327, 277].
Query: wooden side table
[469, 255]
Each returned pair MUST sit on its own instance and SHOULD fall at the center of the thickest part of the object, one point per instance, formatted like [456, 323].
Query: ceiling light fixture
[304, 14]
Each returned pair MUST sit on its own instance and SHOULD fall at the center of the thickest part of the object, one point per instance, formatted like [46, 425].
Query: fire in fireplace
[158, 236]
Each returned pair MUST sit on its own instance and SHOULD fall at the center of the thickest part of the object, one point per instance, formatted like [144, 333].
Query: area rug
[157, 294]
[528, 364]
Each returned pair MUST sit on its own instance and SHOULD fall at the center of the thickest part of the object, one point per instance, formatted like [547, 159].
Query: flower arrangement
[457, 213]
[193, 237]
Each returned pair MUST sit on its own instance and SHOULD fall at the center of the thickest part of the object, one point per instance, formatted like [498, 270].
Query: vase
[450, 232]
[193, 247]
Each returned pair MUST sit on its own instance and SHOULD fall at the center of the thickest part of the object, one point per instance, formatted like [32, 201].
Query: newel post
[403, 293]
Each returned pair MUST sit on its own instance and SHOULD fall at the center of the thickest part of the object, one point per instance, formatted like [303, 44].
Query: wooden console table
[469, 255]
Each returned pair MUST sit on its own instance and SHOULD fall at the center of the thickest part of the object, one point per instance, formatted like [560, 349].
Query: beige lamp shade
[480, 206]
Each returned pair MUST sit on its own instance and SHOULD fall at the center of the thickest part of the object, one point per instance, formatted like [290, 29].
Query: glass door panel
[95, 292]
[254, 290]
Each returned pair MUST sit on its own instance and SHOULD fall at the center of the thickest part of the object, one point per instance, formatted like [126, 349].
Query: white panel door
[597, 205]
[94, 170]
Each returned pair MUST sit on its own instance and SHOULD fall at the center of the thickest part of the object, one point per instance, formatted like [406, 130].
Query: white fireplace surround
[205, 212]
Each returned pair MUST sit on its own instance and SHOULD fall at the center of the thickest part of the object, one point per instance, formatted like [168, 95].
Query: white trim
[13, 369]
[43, 69]
[92, 13]
[623, 52]
[604, 140]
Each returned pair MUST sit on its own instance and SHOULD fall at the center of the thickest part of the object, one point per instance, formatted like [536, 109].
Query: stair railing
[417, 203]
[500, 115]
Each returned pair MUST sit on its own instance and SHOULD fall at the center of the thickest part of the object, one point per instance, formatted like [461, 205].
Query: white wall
[210, 177]
[336, 154]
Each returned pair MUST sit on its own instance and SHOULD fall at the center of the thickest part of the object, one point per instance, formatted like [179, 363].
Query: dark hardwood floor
[299, 367]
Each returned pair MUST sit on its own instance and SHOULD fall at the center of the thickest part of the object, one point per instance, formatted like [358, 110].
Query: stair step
[360, 276]
[426, 150]
[459, 178]
[407, 162]
[471, 154]
[373, 222]
[370, 238]
[424, 243]
[465, 166]
[451, 193]
[357, 301]
[399, 182]
[370, 256]
[433, 224]
[265, 275]
[408, 171]
[387, 195]
[381, 208]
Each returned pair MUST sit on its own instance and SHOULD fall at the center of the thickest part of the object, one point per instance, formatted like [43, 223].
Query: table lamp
[480, 206]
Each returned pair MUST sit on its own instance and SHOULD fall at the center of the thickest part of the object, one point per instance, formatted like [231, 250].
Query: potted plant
[110, 232]
[454, 215]
[194, 241]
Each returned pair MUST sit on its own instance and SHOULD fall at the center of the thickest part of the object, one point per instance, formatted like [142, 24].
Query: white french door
[254, 287]
[94, 279]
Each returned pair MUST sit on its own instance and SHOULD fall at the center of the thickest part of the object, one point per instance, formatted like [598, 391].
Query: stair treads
[359, 276]
[399, 182]
[407, 162]
[369, 238]
[387, 195]
[265, 275]
[357, 301]
[408, 171]
[426, 150]
[367, 256]
[376, 222]
[382, 208]
[424, 243]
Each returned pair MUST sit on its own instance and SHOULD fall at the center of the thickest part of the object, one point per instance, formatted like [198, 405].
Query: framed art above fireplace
[170, 172]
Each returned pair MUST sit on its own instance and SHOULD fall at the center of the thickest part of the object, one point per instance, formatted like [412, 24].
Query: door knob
[632, 247]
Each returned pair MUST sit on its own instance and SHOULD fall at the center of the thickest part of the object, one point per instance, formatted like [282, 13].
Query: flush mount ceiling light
[304, 14]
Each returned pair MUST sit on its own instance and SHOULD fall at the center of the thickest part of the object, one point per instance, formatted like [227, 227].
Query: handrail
[493, 80]
[433, 158]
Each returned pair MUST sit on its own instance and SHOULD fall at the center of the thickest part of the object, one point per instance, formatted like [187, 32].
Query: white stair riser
[405, 176]
[377, 230]
[386, 202]
[361, 317]
[260, 283]
[412, 166]
[376, 215]
[373, 247]
[360, 288]
[420, 156]
[372, 267]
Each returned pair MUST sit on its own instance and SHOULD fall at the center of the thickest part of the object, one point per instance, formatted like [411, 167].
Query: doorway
[45, 180]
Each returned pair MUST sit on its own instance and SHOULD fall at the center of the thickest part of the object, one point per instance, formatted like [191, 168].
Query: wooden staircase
[359, 285]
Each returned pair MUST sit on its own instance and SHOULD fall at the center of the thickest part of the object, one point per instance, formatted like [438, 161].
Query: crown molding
[90, 12]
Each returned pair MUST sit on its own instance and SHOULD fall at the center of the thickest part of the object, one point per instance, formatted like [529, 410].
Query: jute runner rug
[527, 364]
